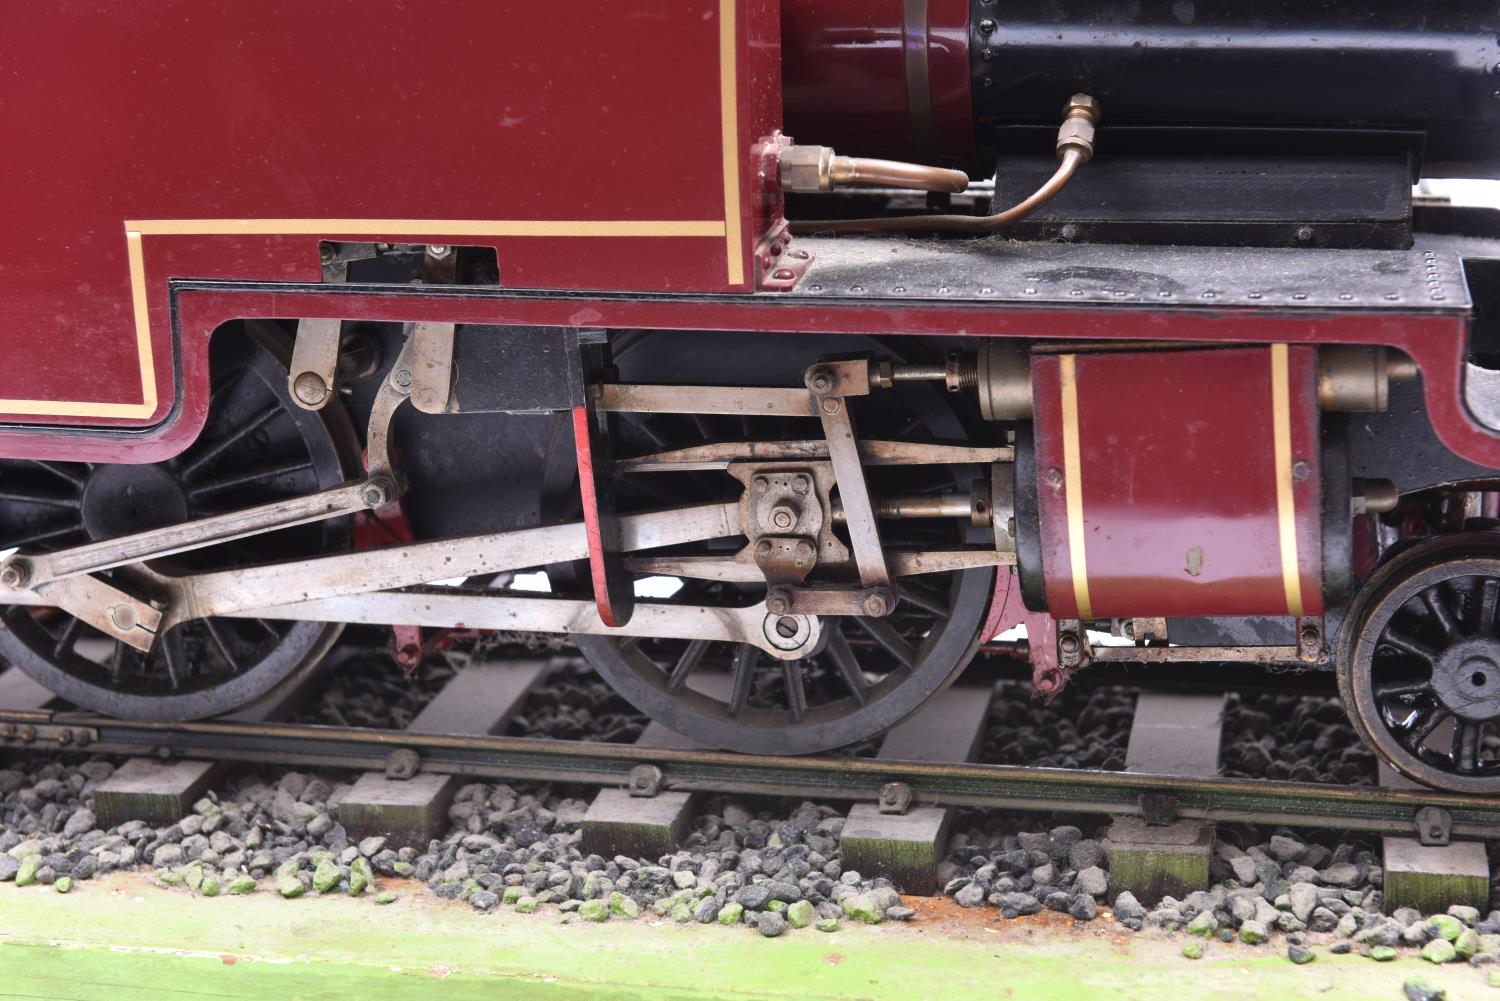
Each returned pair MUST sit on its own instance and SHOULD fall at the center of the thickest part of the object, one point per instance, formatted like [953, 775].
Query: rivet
[1299, 295]
[1345, 296]
[1076, 291]
[898, 290]
[987, 27]
[783, 274]
[1030, 290]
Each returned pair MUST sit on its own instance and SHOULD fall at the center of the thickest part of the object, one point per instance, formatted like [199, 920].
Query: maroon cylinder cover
[880, 78]
[1179, 482]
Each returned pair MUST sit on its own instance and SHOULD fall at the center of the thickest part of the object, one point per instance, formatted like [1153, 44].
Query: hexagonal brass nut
[1076, 133]
[806, 168]
[1082, 105]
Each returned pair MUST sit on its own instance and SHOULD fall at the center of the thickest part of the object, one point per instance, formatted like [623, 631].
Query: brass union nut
[806, 168]
[1082, 105]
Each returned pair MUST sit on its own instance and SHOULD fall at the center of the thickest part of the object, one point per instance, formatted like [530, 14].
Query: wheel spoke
[1424, 722]
[885, 634]
[61, 473]
[744, 675]
[1409, 644]
[1436, 601]
[40, 499]
[32, 536]
[1489, 600]
[223, 647]
[67, 637]
[250, 476]
[1466, 745]
[1391, 689]
[847, 665]
[170, 650]
[928, 601]
[686, 664]
[271, 630]
[796, 694]
[190, 469]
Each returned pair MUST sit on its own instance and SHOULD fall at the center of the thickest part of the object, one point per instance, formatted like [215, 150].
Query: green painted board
[125, 940]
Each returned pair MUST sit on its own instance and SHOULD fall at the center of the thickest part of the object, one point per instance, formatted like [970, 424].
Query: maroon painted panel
[1177, 490]
[373, 111]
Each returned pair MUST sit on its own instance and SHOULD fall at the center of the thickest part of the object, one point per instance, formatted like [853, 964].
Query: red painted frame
[1436, 341]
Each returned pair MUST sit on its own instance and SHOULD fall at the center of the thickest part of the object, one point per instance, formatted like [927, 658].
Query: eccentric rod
[1075, 147]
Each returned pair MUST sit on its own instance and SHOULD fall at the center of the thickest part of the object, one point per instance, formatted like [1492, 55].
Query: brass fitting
[1080, 115]
[819, 168]
[806, 168]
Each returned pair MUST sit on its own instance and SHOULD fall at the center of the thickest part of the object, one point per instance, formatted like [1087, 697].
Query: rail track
[1429, 815]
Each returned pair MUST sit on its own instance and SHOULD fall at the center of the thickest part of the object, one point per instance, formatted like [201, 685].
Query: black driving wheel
[1419, 662]
[256, 446]
[864, 674]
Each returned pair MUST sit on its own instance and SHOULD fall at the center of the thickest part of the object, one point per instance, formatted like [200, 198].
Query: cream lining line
[426, 227]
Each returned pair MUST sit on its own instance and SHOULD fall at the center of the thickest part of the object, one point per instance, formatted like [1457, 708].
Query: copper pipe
[857, 171]
[1075, 147]
[1071, 160]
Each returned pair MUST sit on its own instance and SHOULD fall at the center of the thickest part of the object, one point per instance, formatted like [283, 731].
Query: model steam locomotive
[609, 324]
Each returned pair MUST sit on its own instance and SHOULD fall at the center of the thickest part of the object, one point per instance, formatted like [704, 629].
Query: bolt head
[401, 378]
[310, 389]
[830, 406]
[800, 485]
[819, 381]
[122, 617]
[778, 602]
[1068, 643]
[15, 573]
[876, 604]
[438, 250]
[373, 495]
[783, 516]
[763, 548]
[761, 484]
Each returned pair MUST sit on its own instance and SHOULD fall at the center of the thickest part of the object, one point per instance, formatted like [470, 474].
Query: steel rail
[1001, 787]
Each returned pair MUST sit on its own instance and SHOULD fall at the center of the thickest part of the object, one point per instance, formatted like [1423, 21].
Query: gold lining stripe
[144, 357]
[729, 125]
[1286, 502]
[426, 227]
[1073, 485]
